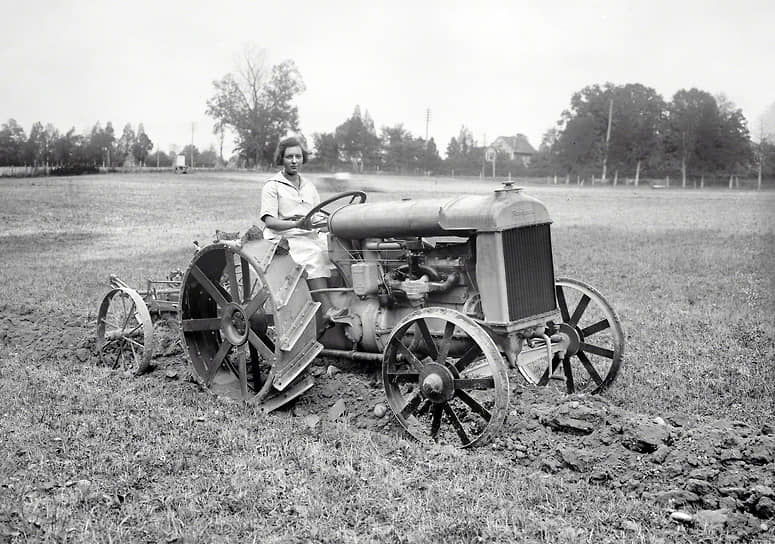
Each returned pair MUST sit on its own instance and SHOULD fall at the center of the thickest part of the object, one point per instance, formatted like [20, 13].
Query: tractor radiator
[527, 256]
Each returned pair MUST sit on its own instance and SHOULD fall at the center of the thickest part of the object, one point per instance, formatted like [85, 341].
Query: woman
[285, 199]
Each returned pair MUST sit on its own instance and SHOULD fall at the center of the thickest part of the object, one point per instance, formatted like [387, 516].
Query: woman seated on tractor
[285, 199]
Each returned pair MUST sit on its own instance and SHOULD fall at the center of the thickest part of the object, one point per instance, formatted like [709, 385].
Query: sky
[497, 67]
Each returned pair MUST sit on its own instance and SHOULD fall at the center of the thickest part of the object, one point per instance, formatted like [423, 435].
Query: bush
[74, 170]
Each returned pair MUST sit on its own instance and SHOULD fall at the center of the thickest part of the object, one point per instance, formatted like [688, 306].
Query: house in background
[514, 147]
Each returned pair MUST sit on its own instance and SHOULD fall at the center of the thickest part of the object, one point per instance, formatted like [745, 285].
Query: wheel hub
[437, 383]
[234, 327]
[574, 338]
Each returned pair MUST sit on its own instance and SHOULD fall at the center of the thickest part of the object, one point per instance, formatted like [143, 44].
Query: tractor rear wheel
[445, 378]
[125, 331]
[247, 321]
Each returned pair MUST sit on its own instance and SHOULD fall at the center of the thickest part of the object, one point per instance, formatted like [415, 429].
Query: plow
[453, 297]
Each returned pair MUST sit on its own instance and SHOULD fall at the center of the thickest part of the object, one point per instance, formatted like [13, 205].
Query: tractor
[451, 296]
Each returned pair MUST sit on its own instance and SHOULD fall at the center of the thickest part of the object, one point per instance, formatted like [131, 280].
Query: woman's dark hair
[285, 144]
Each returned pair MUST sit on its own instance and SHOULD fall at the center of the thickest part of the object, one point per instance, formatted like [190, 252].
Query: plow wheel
[247, 322]
[124, 331]
[445, 379]
[596, 347]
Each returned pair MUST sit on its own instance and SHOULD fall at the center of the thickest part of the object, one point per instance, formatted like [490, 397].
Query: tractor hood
[505, 208]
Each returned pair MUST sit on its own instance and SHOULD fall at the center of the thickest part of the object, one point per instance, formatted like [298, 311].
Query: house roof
[518, 144]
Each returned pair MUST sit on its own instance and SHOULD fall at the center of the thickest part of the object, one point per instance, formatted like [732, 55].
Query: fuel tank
[505, 208]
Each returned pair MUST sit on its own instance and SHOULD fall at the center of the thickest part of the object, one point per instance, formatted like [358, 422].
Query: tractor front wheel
[445, 378]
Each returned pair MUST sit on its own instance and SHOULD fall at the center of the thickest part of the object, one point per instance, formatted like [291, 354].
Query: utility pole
[427, 123]
[191, 161]
[607, 138]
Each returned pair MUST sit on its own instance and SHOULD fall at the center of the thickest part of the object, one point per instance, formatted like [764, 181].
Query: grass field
[92, 455]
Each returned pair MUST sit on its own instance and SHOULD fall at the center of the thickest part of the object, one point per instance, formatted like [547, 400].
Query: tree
[453, 148]
[65, 148]
[124, 146]
[702, 137]
[395, 145]
[462, 157]
[142, 146]
[208, 158]
[39, 148]
[579, 147]
[191, 152]
[326, 150]
[581, 141]
[357, 140]
[12, 141]
[637, 116]
[431, 160]
[256, 103]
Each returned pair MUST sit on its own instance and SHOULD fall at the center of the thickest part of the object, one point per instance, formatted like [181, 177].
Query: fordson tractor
[452, 296]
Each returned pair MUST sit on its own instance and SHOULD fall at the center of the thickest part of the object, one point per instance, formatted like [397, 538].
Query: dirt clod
[682, 517]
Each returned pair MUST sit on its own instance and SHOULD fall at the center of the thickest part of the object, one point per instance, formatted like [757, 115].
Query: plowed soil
[717, 473]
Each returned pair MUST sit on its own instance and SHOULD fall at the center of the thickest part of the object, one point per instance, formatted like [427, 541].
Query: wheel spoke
[591, 370]
[119, 357]
[474, 383]
[264, 350]
[569, 385]
[601, 325]
[217, 360]
[128, 316]
[133, 342]
[113, 355]
[208, 286]
[109, 342]
[231, 272]
[134, 353]
[408, 355]
[449, 328]
[256, 303]
[424, 408]
[473, 404]
[411, 405]
[245, 269]
[436, 420]
[115, 326]
[422, 326]
[468, 357]
[577, 313]
[132, 331]
[461, 432]
[562, 304]
[597, 350]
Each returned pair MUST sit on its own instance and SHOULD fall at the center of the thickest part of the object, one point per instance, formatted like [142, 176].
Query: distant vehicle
[180, 164]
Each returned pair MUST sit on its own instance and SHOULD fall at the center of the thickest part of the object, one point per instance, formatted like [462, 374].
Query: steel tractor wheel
[596, 348]
[445, 378]
[247, 322]
[125, 331]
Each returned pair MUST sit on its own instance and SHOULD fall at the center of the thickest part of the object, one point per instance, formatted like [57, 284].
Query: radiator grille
[527, 254]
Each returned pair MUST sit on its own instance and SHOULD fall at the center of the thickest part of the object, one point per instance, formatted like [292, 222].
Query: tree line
[72, 153]
[630, 129]
[608, 131]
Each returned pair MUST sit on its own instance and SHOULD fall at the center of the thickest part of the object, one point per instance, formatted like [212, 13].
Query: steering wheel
[307, 223]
